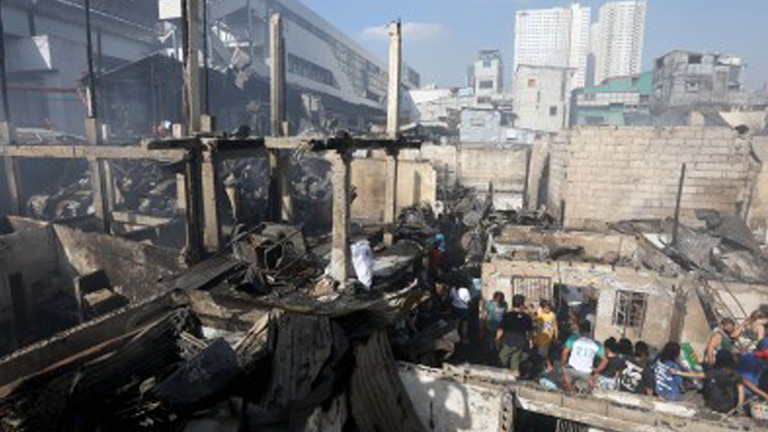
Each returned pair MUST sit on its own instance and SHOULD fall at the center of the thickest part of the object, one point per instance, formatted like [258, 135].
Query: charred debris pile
[257, 338]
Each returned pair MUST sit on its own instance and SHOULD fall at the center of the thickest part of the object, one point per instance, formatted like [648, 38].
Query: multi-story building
[542, 97]
[683, 79]
[554, 37]
[321, 61]
[614, 102]
[488, 75]
[618, 43]
[46, 57]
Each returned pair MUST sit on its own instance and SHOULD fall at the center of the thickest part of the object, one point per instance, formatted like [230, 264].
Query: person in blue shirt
[668, 385]
[492, 315]
[751, 367]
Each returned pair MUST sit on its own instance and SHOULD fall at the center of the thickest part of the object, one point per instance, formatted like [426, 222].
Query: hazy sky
[442, 37]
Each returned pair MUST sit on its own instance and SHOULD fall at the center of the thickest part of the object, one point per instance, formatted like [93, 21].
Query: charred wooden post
[7, 133]
[209, 172]
[342, 181]
[280, 204]
[194, 209]
[93, 133]
[191, 39]
[390, 196]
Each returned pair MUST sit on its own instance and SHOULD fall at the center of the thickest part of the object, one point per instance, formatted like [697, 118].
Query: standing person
[720, 340]
[460, 299]
[546, 326]
[493, 313]
[513, 335]
[579, 356]
[723, 386]
[668, 385]
[610, 367]
[442, 300]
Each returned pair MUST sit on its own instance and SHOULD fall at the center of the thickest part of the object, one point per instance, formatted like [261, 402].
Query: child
[546, 323]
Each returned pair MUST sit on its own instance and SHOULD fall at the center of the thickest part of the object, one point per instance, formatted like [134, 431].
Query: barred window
[629, 309]
[534, 289]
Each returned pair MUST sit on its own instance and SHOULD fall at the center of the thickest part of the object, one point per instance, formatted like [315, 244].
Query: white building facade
[488, 75]
[558, 37]
[542, 97]
[618, 45]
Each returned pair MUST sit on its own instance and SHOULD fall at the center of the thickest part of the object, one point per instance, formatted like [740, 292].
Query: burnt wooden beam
[86, 152]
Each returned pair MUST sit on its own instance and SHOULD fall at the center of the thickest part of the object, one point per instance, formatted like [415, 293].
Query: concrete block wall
[558, 163]
[614, 174]
[31, 251]
[757, 215]
[422, 171]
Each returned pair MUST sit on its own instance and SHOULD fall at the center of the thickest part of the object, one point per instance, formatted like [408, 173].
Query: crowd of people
[555, 347]
[732, 378]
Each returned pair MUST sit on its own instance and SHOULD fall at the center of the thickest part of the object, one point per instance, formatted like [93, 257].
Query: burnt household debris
[195, 279]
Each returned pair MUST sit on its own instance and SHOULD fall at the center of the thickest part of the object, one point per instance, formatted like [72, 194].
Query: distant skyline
[442, 37]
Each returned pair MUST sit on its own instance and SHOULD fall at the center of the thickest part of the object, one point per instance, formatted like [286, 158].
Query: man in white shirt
[578, 360]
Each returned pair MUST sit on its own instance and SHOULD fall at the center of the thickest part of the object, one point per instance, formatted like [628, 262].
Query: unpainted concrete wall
[416, 183]
[659, 315]
[606, 281]
[613, 174]
[31, 251]
[447, 406]
[696, 329]
[133, 268]
[479, 165]
[758, 209]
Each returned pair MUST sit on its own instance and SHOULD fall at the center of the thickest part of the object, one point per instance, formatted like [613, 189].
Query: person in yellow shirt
[546, 326]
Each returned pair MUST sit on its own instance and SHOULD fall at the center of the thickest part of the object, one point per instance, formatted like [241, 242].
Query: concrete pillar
[100, 204]
[395, 71]
[7, 135]
[390, 197]
[212, 237]
[192, 34]
[340, 252]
